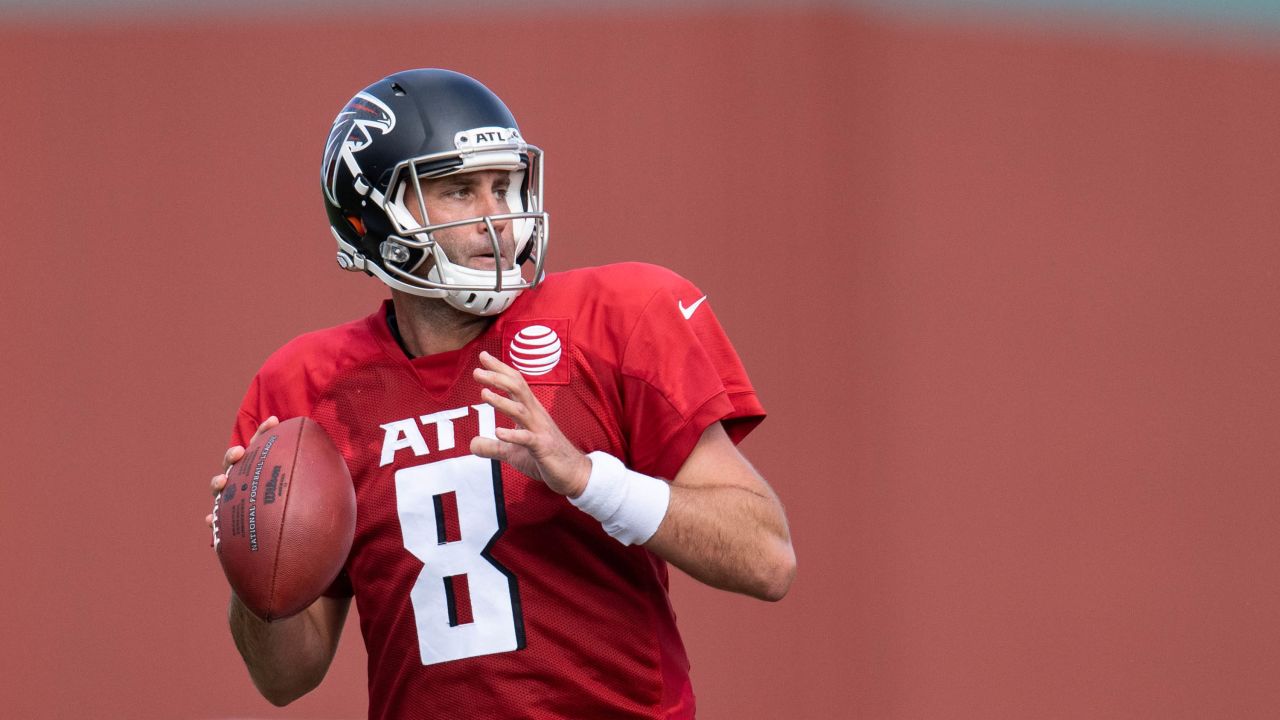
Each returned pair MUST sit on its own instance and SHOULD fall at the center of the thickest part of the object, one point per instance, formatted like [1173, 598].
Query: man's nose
[493, 206]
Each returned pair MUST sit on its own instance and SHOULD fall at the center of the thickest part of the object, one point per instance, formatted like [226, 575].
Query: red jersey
[481, 593]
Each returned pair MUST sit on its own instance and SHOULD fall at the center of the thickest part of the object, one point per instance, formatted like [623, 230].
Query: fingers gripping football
[535, 447]
[232, 456]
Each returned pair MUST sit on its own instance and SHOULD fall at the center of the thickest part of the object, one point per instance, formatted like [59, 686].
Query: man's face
[464, 196]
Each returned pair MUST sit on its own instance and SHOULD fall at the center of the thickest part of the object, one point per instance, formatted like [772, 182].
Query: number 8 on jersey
[458, 571]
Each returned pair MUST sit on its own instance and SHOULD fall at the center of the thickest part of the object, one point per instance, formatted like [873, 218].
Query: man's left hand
[535, 447]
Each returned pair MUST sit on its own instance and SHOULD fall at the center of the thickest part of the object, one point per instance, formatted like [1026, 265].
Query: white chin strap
[476, 302]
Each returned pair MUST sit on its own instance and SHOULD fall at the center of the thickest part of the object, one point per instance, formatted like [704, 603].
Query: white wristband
[630, 505]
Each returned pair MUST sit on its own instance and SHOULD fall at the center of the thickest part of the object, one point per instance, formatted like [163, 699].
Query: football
[283, 525]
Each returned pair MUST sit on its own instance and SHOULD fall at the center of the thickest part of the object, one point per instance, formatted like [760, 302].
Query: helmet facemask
[415, 262]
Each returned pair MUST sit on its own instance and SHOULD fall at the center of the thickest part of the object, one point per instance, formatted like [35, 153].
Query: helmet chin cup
[476, 302]
[483, 303]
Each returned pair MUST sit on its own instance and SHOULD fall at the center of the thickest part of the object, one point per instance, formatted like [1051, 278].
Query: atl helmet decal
[351, 134]
[535, 350]
[477, 138]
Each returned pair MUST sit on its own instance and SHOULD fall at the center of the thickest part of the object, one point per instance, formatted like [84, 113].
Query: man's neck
[429, 326]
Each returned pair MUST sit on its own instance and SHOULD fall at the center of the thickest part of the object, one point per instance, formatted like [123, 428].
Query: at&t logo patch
[539, 350]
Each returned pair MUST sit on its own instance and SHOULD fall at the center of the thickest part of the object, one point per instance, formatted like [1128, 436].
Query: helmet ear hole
[356, 223]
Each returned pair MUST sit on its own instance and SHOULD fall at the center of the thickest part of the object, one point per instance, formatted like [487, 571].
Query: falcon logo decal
[352, 132]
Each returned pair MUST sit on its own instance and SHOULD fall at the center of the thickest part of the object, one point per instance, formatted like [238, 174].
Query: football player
[529, 450]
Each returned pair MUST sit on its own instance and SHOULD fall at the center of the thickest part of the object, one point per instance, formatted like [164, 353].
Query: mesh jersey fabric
[541, 614]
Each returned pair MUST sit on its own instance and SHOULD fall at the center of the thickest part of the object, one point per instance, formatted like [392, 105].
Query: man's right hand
[287, 658]
[232, 456]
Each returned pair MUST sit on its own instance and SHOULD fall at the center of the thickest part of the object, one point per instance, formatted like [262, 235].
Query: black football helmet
[427, 124]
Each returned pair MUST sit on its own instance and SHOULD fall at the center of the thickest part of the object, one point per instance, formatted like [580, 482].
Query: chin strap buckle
[347, 262]
[348, 257]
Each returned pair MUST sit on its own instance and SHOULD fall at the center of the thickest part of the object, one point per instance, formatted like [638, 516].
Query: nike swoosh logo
[688, 312]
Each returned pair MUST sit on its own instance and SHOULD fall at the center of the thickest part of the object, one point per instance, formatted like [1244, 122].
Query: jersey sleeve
[289, 381]
[271, 392]
[680, 374]
[249, 416]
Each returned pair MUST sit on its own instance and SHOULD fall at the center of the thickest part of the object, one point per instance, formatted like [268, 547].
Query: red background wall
[1010, 295]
